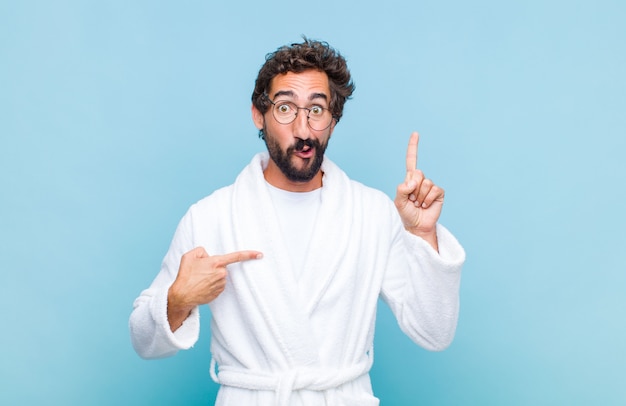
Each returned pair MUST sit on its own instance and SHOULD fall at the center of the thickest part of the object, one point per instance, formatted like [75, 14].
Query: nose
[301, 125]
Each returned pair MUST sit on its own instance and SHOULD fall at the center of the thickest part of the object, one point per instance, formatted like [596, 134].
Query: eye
[317, 111]
[284, 108]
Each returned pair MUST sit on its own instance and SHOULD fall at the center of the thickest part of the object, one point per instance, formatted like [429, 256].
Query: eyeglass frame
[298, 108]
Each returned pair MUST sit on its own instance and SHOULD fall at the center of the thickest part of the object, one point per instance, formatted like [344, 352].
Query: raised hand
[418, 200]
[201, 278]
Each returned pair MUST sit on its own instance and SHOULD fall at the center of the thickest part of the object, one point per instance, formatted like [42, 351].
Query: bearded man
[293, 256]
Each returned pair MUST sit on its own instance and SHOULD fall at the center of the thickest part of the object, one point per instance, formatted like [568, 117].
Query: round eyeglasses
[285, 112]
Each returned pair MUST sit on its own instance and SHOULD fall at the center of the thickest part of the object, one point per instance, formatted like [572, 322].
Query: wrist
[177, 310]
[422, 231]
[428, 235]
[176, 302]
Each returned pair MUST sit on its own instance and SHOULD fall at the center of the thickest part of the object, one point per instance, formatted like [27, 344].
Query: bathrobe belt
[316, 379]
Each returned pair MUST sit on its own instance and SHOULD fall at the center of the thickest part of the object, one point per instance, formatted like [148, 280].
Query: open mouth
[304, 148]
[303, 145]
[306, 153]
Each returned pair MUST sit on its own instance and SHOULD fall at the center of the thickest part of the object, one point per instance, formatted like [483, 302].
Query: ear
[257, 118]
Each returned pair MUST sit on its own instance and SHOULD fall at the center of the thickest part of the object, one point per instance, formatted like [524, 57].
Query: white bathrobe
[281, 341]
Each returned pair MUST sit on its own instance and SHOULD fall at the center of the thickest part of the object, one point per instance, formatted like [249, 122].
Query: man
[293, 256]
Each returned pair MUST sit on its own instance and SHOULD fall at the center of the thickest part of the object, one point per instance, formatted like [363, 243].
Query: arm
[422, 280]
[421, 287]
[165, 318]
[150, 330]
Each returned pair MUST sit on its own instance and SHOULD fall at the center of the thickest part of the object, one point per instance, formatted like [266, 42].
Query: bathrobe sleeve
[421, 286]
[149, 328]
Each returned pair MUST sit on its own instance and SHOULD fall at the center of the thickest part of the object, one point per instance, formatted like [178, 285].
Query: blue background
[116, 116]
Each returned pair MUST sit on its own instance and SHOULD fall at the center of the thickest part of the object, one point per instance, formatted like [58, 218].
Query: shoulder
[209, 209]
[216, 200]
[378, 205]
[207, 218]
[369, 192]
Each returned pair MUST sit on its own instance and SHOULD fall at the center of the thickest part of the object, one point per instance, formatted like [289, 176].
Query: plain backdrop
[116, 116]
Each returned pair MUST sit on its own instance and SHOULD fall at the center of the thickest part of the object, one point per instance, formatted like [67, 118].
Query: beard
[282, 159]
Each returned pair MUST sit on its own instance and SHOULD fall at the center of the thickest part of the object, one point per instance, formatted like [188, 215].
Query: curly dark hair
[310, 54]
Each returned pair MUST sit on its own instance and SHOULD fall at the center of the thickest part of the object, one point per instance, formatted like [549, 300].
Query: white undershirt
[297, 212]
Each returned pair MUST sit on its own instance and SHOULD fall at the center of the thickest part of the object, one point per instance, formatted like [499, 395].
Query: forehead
[302, 85]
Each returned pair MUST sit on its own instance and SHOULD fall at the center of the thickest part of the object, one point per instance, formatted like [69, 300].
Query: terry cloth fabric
[280, 340]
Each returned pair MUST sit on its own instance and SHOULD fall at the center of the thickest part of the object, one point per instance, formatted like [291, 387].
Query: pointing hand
[418, 200]
[201, 278]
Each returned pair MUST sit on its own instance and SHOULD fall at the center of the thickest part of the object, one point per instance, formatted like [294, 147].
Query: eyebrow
[291, 94]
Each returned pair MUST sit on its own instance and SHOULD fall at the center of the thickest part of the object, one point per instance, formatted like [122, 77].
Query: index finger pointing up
[411, 152]
[238, 256]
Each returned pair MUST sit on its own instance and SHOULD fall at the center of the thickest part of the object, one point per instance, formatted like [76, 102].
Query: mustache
[301, 144]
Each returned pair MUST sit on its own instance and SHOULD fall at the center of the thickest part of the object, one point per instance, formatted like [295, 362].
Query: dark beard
[282, 159]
